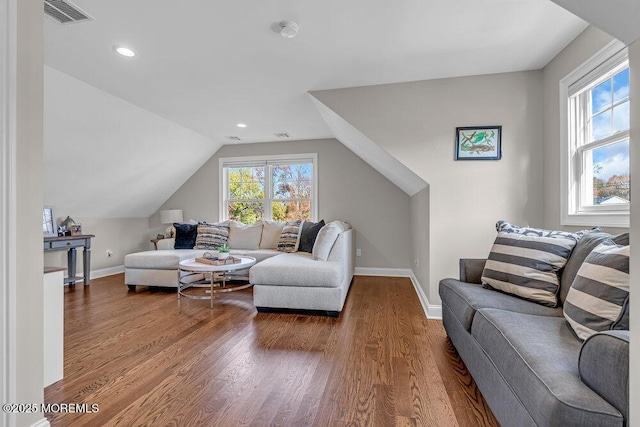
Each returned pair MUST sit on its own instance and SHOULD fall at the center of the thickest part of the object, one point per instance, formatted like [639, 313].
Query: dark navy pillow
[308, 236]
[185, 236]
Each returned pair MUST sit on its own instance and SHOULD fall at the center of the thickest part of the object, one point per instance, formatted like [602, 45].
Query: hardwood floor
[149, 359]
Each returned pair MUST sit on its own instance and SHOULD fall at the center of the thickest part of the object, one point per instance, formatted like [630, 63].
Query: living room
[391, 142]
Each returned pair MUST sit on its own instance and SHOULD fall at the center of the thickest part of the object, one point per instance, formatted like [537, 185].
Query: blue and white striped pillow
[599, 296]
[528, 266]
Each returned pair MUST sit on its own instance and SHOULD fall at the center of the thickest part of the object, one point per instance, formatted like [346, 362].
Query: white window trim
[269, 158]
[569, 199]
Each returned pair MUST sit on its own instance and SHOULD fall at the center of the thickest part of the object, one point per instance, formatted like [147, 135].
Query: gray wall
[348, 189]
[415, 122]
[577, 52]
[420, 238]
[120, 235]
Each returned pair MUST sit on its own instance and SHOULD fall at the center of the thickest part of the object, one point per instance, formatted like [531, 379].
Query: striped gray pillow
[527, 266]
[211, 236]
[290, 236]
[599, 296]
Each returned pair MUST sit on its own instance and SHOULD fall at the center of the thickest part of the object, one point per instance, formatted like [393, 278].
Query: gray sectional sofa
[529, 365]
[282, 281]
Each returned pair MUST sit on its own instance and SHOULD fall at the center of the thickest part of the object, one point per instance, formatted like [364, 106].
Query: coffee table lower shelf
[201, 281]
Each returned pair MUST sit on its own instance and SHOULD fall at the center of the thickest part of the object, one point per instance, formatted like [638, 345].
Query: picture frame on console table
[478, 143]
[49, 226]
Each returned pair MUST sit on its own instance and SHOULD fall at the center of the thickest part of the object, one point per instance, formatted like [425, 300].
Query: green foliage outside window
[291, 192]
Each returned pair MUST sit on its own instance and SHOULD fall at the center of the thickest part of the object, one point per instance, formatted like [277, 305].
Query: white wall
[634, 397]
[28, 209]
[587, 44]
[348, 189]
[415, 122]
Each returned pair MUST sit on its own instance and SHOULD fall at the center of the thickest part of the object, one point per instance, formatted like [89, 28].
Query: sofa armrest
[604, 366]
[471, 270]
[166, 243]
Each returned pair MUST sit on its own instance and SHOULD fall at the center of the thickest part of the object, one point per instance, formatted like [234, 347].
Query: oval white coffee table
[215, 277]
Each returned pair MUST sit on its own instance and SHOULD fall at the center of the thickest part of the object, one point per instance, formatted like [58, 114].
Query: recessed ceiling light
[241, 125]
[124, 51]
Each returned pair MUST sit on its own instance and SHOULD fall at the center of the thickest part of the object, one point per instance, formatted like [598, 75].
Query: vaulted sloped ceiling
[122, 134]
[619, 18]
[107, 158]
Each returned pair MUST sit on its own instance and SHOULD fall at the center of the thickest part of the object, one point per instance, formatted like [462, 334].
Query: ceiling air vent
[282, 135]
[65, 12]
[232, 138]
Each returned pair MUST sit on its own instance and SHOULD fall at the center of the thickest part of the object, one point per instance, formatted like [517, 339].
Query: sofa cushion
[290, 236]
[185, 236]
[527, 266]
[258, 254]
[538, 357]
[464, 299]
[242, 236]
[160, 259]
[600, 293]
[298, 269]
[212, 236]
[326, 238]
[271, 231]
[309, 234]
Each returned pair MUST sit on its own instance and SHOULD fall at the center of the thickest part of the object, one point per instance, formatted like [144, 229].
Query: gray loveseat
[529, 365]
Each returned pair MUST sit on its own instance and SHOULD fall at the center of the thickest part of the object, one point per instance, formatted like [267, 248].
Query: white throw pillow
[327, 237]
[242, 236]
[271, 234]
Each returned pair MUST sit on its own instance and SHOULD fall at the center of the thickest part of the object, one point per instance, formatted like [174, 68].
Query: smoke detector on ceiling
[288, 29]
[65, 12]
[233, 138]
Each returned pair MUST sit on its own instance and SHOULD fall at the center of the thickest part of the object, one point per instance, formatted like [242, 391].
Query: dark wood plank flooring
[149, 359]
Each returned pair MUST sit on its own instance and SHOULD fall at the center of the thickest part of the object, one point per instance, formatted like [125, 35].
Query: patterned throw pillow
[529, 231]
[527, 266]
[599, 296]
[290, 236]
[211, 236]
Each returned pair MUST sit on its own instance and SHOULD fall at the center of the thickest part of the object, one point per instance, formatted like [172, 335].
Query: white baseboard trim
[432, 311]
[104, 272]
[41, 423]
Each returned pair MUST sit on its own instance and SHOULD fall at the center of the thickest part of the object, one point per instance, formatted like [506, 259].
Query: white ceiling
[207, 65]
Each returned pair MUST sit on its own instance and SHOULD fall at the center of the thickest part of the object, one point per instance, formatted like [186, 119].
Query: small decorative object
[478, 143]
[159, 236]
[170, 216]
[48, 222]
[223, 252]
[76, 229]
[66, 225]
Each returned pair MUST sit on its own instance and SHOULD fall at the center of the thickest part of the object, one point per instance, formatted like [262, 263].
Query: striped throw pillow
[211, 236]
[527, 266]
[290, 236]
[599, 296]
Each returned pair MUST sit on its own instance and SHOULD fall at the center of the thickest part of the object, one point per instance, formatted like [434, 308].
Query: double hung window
[598, 181]
[278, 188]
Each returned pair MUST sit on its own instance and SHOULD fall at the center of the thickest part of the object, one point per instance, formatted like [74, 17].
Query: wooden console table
[70, 243]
